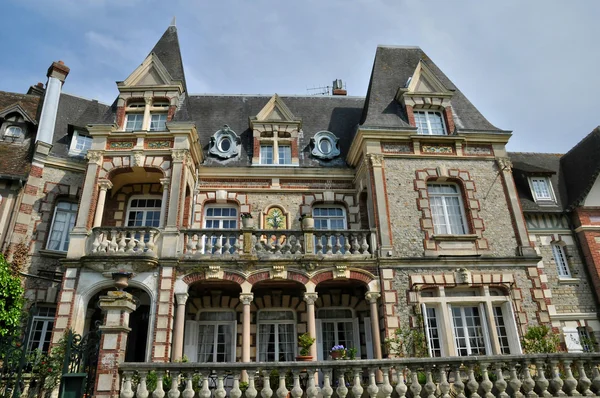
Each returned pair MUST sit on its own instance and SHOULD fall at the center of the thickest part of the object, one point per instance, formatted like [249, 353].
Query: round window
[225, 144]
[325, 146]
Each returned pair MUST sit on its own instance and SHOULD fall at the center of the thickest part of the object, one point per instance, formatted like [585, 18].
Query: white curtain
[205, 343]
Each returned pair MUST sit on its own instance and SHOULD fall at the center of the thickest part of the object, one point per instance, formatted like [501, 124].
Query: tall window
[144, 212]
[501, 330]
[221, 217]
[134, 121]
[80, 144]
[561, 260]
[41, 329]
[468, 331]
[266, 154]
[276, 153]
[430, 123]
[62, 224]
[276, 335]
[541, 189]
[338, 327]
[158, 122]
[285, 154]
[447, 209]
[329, 218]
[216, 336]
[433, 332]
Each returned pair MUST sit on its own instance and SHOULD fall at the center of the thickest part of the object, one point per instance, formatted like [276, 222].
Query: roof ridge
[271, 95]
[399, 46]
[595, 129]
[536, 153]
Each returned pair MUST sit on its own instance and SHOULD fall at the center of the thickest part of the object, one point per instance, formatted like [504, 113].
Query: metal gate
[12, 363]
[79, 368]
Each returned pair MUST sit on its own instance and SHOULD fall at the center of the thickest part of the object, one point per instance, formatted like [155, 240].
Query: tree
[11, 299]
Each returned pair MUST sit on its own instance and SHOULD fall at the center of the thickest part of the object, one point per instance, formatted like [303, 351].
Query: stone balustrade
[278, 243]
[519, 376]
[125, 241]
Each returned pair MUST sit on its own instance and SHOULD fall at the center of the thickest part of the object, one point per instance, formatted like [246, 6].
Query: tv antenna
[337, 88]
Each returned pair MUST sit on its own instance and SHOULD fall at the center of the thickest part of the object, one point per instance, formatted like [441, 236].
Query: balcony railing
[552, 375]
[278, 243]
[125, 241]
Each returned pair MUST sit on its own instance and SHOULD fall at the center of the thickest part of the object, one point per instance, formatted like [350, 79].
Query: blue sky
[529, 66]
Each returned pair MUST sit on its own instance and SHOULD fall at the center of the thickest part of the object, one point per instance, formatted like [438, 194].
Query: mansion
[219, 228]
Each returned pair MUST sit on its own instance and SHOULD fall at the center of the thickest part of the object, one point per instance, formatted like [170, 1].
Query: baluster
[120, 245]
[319, 244]
[311, 389]
[150, 244]
[251, 390]
[372, 389]
[140, 244]
[328, 244]
[188, 392]
[357, 389]
[429, 384]
[341, 389]
[528, 382]
[227, 246]
[142, 389]
[386, 388]
[235, 391]
[326, 390]
[444, 384]
[355, 246]
[126, 390]
[277, 244]
[218, 246]
[556, 383]
[159, 392]
[570, 384]
[189, 243]
[541, 383]
[500, 382]
[595, 378]
[401, 387]
[364, 244]
[338, 244]
[415, 386]
[220, 391]
[282, 391]
[459, 386]
[267, 392]
[104, 242]
[347, 246]
[296, 390]
[209, 244]
[205, 391]
[287, 247]
[174, 391]
[257, 243]
[584, 381]
[472, 384]
[298, 245]
[130, 241]
[97, 240]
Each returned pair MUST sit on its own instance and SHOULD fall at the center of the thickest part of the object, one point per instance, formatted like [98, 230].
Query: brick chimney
[338, 88]
[37, 89]
[57, 73]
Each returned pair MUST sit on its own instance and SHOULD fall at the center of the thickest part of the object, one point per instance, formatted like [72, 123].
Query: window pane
[561, 260]
[285, 154]
[501, 330]
[62, 224]
[158, 122]
[266, 154]
[541, 188]
[433, 332]
[134, 121]
[446, 209]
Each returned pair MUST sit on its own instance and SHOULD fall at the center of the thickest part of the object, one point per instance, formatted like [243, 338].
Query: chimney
[57, 73]
[338, 87]
[38, 89]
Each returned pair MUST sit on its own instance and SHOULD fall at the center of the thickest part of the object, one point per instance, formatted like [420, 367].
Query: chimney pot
[40, 85]
[61, 62]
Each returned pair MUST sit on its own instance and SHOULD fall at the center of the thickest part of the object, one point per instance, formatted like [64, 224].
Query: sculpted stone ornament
[372, 297]
[311, 298]
[463, 276]
[246, 298]
[179, 155]
[505, 164]
[137, 159]
[224, 143]
[340, 271]
[213, 272]
[278, 272]
[376, 160]
[325, 145]
[94, 156]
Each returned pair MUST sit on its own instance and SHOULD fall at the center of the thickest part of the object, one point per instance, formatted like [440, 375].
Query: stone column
[146, 120]
[376, 177]
[104, 185]
[179, 327]
[246, 299]
[170, 242]
[165, 198]
[311, 324]
[372, 297]
[117, 305]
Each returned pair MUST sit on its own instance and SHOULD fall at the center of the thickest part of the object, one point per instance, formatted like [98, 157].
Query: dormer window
[135, 116]
[13, 131]
[430, 123]
[541, 189]
[158, 122]
[80, 144]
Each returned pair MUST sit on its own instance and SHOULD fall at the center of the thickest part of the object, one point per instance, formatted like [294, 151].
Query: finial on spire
[173, 22]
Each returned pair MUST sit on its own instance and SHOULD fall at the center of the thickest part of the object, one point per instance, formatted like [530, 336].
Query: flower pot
[339, 354]
[247, 222]
[121, 279]
[308, 223]
[304, 358]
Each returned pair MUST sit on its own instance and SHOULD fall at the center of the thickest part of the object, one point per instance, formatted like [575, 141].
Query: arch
[355, 274]
[111, 170]
[198, 276]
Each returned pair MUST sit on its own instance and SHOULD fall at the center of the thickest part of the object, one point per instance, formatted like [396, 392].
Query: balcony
[540, 375]
[126, 241]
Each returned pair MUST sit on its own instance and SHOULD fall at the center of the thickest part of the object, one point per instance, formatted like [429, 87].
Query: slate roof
[526, 164]
[74, 112]
[15, 157]
[582, 166]
[168, 51]
[338, 114]
[392, 68]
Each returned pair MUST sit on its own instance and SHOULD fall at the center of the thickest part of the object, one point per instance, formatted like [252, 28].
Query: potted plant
[307, 221]
[247, 220]
[305, 341]
[337, 352]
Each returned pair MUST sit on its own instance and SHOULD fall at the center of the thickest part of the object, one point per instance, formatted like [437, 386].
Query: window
[13, 131]
[220, 217]
[144, 212]
[158, 122]
[285, 154]
[501, 330]
[134, 121]
[338, 326]
[276, 335]
[80, 144]
[329, 218]
[561, 260]
[433, 332]
[541, 188]
[266, 154]
[447, 209]
[216, 336]
[41, 330]
[585, 340]
[62, 224]
[430, 123]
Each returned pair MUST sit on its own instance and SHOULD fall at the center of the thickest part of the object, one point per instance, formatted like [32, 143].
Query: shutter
[319, 329]
[511, 329]
[426, 326]
[190, 343]
[368, 338]
[572, 340]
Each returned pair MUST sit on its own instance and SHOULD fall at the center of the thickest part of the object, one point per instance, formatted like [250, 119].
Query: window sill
[275, 165]
[563, 280]
[52, 253]
[464, 238]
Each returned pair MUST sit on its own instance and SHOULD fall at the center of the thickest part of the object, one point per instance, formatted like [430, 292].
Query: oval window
[225, 144]
[325, 146]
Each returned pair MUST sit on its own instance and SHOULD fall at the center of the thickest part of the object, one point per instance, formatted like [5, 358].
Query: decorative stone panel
[478, 150]
[121, 144]
[393, 147]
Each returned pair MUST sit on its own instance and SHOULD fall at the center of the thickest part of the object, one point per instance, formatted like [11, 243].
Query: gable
[593, 196]
[275, 110]
[424, 81]
[151, 72]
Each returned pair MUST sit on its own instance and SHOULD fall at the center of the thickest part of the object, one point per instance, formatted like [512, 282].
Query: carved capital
[105, 185]
[504, 164]
[372, 297]
[148, 100]
[179, 155]
[311, 298]
[246, 298]
[165, 182]
[94, 156]
[181, 298]
[376, 160]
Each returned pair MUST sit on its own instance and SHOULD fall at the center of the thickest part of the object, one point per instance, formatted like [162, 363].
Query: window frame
[144, 209]
[332, 206]
[48, 325]
[13, 136]
[72, 216]
[427, 112]
[550, 198]
[261, 158]
[73, 151]
[136, 114]
[275, 143]
[162, 127]
[275, 323]
[353, 319]
[445, 206]
[561, 260]
[220, 218]
[232, 324]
